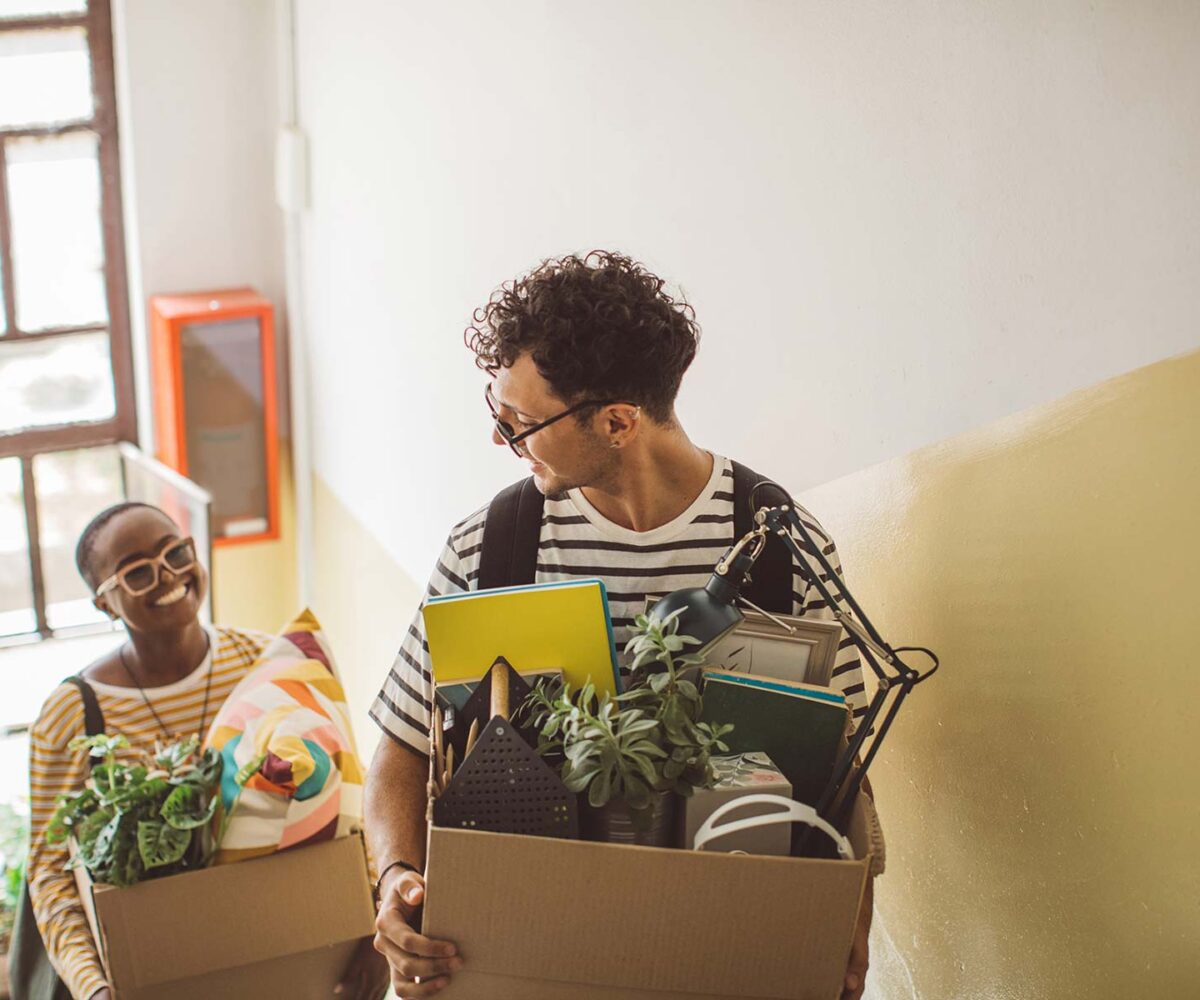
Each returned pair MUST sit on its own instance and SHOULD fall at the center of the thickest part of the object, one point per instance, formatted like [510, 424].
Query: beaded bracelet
[395, 864]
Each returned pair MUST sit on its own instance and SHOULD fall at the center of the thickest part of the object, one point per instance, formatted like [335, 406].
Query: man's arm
[394, 805]
[394, 817]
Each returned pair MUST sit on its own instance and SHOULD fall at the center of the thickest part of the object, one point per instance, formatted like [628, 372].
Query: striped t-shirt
[55, 770]
[577, 542]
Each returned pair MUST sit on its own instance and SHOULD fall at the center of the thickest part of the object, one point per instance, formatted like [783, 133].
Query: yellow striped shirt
[55, 770]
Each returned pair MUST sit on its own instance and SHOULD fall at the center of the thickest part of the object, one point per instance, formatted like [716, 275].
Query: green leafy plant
[645, 741]
[662, 689]
[609, 752]
[136, 821]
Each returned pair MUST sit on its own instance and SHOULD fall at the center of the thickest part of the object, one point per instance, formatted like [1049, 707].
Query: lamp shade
[710, 612]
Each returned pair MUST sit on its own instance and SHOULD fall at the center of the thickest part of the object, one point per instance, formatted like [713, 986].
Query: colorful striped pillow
[288, 719]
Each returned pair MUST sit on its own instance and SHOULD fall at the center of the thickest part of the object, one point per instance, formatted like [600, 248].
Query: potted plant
[133, 822]
[632, 755]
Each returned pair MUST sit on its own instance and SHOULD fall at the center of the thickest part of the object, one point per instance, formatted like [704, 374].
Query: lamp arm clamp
[756, 537]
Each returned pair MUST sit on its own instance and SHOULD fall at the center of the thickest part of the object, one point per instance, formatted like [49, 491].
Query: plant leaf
[600, 790]
[160, 843]
[184, 808]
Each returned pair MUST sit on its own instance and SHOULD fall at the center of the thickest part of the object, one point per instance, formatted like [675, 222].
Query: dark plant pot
[613, 824]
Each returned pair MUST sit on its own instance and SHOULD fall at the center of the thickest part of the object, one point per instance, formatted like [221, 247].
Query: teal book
[799, 726]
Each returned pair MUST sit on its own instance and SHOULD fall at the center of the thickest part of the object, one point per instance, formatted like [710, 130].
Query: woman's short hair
[85, 547]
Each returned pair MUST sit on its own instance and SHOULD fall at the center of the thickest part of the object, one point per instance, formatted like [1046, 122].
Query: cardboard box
[738, 775]
[543, 919]
[283, 925]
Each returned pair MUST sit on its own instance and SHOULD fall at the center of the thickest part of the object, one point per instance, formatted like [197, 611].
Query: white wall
[197, 106]
[895, 221]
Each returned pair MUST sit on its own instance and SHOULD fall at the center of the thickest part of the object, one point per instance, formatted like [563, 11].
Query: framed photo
[763, 647]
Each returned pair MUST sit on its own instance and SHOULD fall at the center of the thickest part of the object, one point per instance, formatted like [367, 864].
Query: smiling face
[567, 454]
[143, 533]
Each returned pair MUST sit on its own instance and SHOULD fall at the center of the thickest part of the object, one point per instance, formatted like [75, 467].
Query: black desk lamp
[711, 612]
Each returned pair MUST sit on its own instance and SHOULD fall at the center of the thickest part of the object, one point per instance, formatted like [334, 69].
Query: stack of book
[799, 726]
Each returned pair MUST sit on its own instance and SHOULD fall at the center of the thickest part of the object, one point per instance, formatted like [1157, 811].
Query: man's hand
[366, 975]
[856, 969]
[420, 966]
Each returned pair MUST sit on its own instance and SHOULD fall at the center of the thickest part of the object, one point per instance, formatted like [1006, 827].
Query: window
[66, 381]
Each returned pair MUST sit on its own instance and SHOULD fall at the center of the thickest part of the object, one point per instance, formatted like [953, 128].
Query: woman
[164, 683]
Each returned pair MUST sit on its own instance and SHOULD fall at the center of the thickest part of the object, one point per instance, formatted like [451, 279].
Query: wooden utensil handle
[500, 690]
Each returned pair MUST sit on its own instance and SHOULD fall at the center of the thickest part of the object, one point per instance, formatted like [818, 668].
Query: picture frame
[763, 647]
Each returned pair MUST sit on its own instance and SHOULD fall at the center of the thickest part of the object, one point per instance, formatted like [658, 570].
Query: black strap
[511, 530]
[770, 580]
[513, 525]
[93, 718]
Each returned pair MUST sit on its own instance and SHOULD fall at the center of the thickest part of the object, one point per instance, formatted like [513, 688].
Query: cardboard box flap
[154, 929]
[644, 920]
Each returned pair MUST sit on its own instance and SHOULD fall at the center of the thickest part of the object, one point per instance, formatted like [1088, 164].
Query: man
[586, 356]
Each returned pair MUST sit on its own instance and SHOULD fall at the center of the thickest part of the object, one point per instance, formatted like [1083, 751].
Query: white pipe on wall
[291, 192]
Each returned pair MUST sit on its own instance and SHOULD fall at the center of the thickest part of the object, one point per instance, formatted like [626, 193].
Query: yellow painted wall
[254, 584]
[363, 600]
[1038, 794]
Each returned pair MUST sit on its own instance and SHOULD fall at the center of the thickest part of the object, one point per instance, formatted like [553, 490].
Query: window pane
[16, 586]
[45, 77]
[58, 380]
[57, 245]
[36, 8]
[72, 488]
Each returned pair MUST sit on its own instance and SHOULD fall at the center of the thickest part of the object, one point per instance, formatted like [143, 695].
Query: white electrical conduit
[291, 193]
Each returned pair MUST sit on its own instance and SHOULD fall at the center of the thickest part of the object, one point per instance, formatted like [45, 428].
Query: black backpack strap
[770, 581]
[511, 529]
[93, 718]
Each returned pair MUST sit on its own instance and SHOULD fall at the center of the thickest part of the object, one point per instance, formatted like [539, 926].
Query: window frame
[25, 444]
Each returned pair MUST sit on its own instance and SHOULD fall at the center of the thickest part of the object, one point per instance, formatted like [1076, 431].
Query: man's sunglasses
[508, 432]
[142, 575]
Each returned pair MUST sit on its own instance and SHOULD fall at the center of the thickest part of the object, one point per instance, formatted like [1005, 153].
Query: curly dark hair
[599, 326]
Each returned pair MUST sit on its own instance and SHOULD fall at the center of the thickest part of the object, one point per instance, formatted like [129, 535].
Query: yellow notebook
[561, 626]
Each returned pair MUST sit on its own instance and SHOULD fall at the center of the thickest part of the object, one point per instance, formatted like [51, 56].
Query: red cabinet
[215, 404]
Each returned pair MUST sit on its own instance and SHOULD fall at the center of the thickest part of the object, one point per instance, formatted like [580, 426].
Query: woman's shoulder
[244, 642]
[61, 718]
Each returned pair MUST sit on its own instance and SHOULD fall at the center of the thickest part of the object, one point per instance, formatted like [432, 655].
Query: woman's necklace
[157, 718]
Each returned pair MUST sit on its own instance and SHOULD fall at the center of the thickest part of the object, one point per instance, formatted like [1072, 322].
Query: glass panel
[72, 488]
[57, 243]
[45, 77]
[16, 585]
[226, 437]
[38, 8]
[59, 380]
[149, 481]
